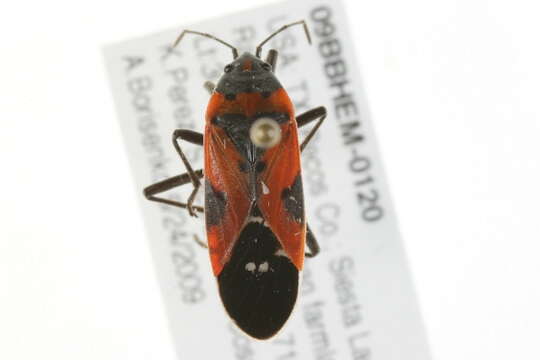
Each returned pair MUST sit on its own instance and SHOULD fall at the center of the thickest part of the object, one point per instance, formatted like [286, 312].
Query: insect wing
[226, 200]
[281, 201]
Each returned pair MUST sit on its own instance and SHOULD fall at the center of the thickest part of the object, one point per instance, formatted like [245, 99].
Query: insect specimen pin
[254, 203]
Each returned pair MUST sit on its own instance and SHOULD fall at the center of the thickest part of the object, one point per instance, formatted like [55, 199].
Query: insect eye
[267, 66]
[265, 133]
[228, 68]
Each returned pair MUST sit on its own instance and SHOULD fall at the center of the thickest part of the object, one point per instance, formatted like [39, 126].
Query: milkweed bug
[254, 203]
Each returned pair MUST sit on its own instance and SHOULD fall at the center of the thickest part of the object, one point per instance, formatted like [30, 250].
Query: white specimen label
[357, 300]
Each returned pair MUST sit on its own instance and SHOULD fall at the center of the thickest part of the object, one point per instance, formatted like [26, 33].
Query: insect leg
[306, 118]
[151, 191]
[210, 86]
[167, 184]
[199, 241]
[311, 243]
[194, 138]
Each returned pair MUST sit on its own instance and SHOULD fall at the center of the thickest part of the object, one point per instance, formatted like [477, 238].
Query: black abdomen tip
[259, 285]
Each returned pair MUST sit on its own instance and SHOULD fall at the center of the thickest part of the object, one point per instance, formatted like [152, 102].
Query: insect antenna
[300, 22]
[234, 50]
[271, 58]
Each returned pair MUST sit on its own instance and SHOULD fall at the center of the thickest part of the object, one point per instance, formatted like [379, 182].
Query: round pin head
[265, 133]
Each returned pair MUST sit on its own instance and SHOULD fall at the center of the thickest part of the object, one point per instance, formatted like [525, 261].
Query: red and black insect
[254, 204]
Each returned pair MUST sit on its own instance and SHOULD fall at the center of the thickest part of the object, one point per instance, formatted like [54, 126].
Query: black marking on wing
[260, 166]
[243, 166]
[259, 302]
[237, 127]
[293, 199]
[214, 206]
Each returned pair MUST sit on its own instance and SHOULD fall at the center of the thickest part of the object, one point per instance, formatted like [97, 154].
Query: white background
[453, 88]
